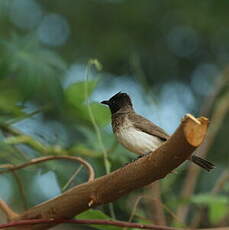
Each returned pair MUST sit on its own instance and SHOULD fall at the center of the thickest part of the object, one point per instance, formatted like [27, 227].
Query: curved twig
[21, 190]
[10, 214]
[91, 173]
[97, 222]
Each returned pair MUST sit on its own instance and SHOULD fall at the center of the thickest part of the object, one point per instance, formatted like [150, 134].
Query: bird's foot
[140, 156]
[143, 155]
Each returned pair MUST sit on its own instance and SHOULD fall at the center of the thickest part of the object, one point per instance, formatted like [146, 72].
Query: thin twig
[137, 201]
[92, 117]
[223, 178]
[10, 214]
[21, 190]
[97, 130]
[97, 222]
[19, 137]
[26, 116]
[10, 130]
[155, 203]
[69, 182]
[91, 173]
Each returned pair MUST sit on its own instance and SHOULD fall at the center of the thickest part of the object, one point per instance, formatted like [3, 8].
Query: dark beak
[105, 102]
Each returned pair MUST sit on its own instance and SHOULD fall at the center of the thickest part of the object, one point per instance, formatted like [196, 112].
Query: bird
[138, 134]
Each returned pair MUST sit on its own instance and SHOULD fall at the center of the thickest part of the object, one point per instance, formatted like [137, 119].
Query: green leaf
[75, 93]
[9, 98]
[218, 205]
[37, 69]
[218, 211]
[75, 96]
[208, 199]
[101, 113]
[36, 60]
[96, 214]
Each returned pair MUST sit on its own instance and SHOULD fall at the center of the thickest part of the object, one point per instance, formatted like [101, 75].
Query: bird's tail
[202, 163]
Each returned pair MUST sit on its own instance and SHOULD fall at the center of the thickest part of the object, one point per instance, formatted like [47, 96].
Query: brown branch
[10, 167]
[192, 175]
[112, 186]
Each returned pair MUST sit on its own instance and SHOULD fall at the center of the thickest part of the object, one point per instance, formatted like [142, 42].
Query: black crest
[118, 101]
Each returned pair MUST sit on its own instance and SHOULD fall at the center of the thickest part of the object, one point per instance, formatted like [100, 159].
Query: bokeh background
[59, 59]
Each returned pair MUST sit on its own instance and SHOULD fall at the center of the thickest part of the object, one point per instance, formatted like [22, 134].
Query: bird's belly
[137, 141]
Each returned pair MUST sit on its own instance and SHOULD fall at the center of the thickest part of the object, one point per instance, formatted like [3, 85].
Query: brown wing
[147, 126]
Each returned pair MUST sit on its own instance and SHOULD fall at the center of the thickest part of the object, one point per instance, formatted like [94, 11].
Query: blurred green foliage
[96, 214]
[155, 43]
[218, 205]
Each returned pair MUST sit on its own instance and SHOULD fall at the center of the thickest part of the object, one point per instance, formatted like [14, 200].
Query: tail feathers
[203, 163]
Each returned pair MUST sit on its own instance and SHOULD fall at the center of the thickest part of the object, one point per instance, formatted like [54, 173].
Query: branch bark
[156, 165]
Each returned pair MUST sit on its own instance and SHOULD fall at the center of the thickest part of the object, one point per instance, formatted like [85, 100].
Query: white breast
[137, 141]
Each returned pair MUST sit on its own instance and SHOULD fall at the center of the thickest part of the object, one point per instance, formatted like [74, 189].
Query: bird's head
[118, 101]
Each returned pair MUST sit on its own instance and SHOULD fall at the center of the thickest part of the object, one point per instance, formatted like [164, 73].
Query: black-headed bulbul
[136, 133]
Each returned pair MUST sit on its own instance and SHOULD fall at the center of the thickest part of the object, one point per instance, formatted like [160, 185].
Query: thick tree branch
[156, 165]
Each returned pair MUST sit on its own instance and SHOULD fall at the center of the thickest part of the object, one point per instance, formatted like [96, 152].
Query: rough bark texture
[110, 187]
